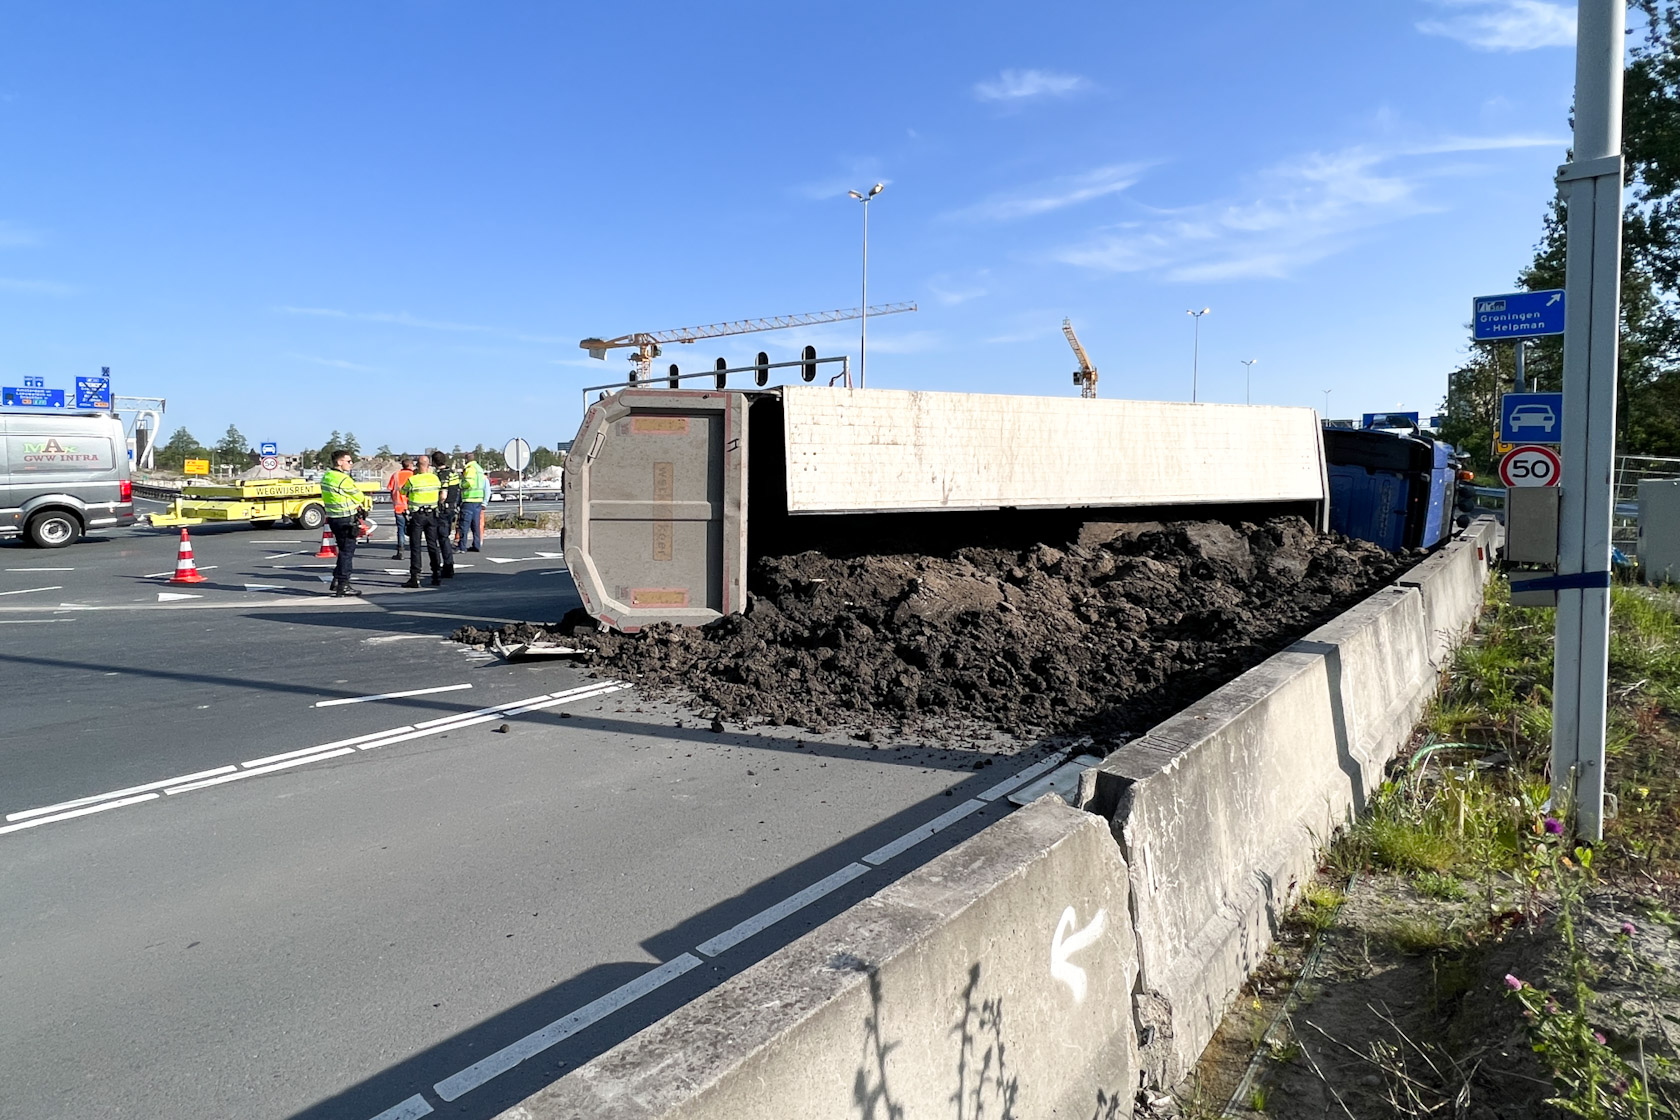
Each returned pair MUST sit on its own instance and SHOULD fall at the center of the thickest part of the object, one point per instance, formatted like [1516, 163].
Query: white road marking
[40, 569]
[79, 812]
[515, 559]
[254, 771]
[453, 1088]
[1023, 777]
[170, 572]
[396, 638]
[552, 555]
[31, 590]
[390, 695]
[31, 621]
[175, 596]
[769, 916]
[411, 1109]
[117, 793]
[272, 763]
[263, 587]
[917, 835]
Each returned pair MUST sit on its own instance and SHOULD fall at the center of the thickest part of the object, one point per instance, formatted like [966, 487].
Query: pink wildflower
[1513, 983]
[1628, 929]
[1554, 826]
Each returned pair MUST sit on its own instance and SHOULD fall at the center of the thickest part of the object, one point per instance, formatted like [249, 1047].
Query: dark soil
[1123, 626]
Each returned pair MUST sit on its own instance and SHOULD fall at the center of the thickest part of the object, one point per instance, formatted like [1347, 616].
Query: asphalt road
[242, 880]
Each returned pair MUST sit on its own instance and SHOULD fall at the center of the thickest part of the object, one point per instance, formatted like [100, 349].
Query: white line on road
[390, 695]
[411, 1109]
[170, 572]
[118, 793]
[78, 812]
[769, 916]
[40, 569]
[1027, 775]
[272, 763]
[254, 771]
[29, 590]
[31, 621]
[397, 638]
[917, 835]
[452, 1088]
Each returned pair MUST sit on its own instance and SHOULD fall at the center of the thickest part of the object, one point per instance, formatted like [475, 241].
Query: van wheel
[54, 529]
[312, 516]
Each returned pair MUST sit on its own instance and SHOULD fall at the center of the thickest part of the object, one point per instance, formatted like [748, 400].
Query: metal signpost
[1591, 187]
[518, 456]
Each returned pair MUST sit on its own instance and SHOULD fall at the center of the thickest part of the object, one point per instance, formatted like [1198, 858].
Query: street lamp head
[877, 189]
[855, 195]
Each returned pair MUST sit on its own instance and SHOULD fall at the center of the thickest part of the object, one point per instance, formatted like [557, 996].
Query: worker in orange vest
[399, 500]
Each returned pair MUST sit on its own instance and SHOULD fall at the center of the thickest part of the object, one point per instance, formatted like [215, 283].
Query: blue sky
[400, 218]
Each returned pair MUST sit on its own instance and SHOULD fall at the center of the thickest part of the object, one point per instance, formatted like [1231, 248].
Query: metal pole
[863, 327]
[1248, 377]
[1522, 382]
[1196, 359]
[1592, 190]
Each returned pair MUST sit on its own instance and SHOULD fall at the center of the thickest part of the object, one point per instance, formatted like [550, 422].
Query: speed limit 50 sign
[1530, 465]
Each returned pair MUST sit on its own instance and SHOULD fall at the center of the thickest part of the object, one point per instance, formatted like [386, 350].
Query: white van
[61, 474]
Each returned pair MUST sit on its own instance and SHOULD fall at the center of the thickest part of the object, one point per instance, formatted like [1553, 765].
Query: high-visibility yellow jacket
[422, 490]
[475, 484]
[341, 495]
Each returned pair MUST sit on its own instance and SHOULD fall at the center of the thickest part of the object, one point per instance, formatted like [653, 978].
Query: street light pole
[1326, 404]
[1248, 374]
[863, 326]
[1196, 353]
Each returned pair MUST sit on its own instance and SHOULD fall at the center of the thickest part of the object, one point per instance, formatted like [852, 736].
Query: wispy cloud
[949, 291]
[14, 236]
[38, 287]
[335, 363]
[404, 319]
[1068, 190]
[1300, 212]
[1503, 25]
[1021, 85]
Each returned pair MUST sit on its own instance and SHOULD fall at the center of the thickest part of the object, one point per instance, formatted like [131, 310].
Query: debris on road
[1125, 625]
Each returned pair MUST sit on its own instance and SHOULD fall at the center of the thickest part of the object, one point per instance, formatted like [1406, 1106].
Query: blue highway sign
[1389, 420]
[1531, 418]
[1517, 315]
[31, 397]
[270, 449]
[93, 392]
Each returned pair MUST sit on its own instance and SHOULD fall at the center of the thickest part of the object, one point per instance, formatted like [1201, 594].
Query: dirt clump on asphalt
[1126, 624]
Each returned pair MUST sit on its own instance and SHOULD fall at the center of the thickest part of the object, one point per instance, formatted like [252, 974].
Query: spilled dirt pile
[1124, 626]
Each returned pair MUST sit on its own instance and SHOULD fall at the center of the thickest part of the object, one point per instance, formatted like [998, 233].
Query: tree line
[234, 450]
[1648, 390]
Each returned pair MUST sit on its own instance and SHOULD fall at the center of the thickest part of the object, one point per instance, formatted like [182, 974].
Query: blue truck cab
[1394, 489]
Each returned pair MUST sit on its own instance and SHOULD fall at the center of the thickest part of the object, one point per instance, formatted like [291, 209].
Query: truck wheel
[54, 529]
[312, 516]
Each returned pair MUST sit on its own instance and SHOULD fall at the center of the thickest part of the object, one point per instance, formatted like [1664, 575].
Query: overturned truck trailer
[668, 493]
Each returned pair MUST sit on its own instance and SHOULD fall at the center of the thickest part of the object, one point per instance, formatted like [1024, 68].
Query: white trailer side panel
[881, 450]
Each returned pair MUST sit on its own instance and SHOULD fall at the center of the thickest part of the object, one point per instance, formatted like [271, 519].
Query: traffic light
[808, 371]
[762, 373]
[672, 381]
[722, 378]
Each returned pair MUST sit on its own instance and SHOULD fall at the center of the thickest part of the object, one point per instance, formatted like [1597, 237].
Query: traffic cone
[185, 570]
[329, 547]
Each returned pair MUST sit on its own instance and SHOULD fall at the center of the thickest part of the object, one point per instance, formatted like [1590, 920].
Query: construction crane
[647, 343]
[1086, 375]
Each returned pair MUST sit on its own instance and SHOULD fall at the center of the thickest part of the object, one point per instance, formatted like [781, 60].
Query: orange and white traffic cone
[185, 570]
[329, 547]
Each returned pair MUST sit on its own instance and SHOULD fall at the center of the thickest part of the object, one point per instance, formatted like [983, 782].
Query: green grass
[1447, 888]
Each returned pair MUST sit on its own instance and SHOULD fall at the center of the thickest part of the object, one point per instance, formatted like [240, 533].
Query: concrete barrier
[1040, 969]
[995, 980]
[1221, 809]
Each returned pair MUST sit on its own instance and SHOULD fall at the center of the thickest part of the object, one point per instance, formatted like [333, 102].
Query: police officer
[346, 505]
[449, 508]
[423, 490]
[475, 490]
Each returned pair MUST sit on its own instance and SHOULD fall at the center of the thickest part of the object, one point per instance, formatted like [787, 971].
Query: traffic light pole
[1592, 190]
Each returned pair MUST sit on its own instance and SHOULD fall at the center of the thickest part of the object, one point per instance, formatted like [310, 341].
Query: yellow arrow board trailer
[261, 501]
[660, 483]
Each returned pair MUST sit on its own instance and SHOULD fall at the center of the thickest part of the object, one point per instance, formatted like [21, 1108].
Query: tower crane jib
[1086, 375]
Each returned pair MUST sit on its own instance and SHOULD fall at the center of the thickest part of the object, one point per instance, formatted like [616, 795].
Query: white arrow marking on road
[175, 596]
[552, 555]
[263, 587]
[27, 590]
[512, 559]
[390, 695]
[1062, 947]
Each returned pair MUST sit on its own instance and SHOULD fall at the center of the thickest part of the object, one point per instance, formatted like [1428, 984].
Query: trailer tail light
[125, 491]
[1467, 476]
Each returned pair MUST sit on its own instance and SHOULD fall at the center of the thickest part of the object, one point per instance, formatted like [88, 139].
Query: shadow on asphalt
[419, 1073]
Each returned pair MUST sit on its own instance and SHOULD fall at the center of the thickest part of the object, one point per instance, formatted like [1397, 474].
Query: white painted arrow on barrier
[1066, 943]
